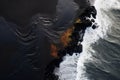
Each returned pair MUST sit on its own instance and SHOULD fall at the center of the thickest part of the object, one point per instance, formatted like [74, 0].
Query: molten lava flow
[54, 51]
[65, 38]
[78, 21]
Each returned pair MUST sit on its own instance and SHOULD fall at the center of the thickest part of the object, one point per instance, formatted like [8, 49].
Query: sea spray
[92, 36]
[73, 67]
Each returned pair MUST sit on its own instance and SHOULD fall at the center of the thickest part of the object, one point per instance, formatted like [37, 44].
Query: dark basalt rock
[77, 37]
[92, 20]
[90, 11]
[94, 26]
[49, 75]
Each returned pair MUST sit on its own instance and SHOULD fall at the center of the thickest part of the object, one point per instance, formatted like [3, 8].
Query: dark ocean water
[100, 59]
[106, 58]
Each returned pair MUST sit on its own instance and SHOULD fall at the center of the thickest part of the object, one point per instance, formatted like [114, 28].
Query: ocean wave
[100, 59]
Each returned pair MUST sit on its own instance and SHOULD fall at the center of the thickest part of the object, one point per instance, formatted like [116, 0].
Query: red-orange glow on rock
[65, 38]
[78, 21]
[54, 51]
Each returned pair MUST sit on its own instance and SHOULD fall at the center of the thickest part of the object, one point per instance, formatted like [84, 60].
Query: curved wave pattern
[100, 59]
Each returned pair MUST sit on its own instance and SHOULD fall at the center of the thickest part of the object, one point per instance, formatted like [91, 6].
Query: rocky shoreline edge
[85, 20]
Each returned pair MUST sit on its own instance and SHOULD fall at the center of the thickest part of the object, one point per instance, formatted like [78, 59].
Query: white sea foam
[91, 36]
[73, 68]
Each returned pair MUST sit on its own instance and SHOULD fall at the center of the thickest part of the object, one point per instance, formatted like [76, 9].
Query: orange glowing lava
[54, 51]
[65, 40]
[78, 21]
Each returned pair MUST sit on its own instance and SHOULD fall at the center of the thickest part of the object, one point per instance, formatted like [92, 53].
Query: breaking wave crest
[95, 58]
[90, 55]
